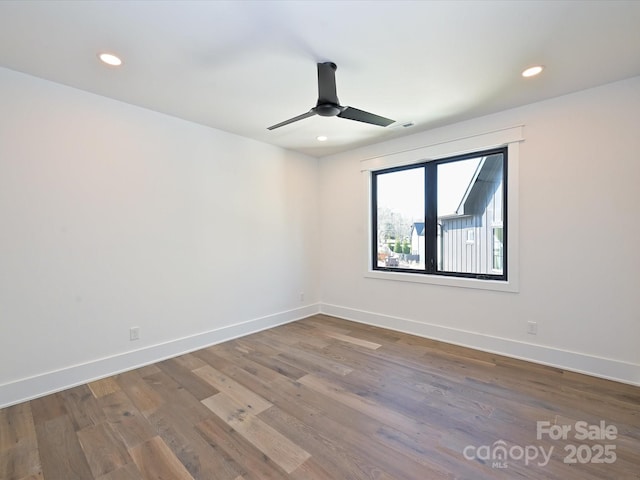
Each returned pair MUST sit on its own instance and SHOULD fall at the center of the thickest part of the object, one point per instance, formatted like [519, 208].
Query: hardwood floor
[325, 398]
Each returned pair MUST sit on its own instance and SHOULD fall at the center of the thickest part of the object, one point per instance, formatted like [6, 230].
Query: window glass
[400, 219]
[469, 204]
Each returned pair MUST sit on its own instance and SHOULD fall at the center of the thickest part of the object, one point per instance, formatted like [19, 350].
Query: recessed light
[322, 138]
[532, 71]
[110, 59]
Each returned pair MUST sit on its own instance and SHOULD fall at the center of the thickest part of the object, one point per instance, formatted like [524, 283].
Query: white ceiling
[242, 66]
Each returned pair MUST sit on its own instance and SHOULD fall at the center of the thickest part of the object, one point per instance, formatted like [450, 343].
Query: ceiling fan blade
[310, 113]
[327, 83]
[351, 113]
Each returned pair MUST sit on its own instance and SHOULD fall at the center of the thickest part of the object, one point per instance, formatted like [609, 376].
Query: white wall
[114, 216]
[579, 234]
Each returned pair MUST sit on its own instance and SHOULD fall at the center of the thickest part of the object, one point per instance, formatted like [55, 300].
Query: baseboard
[55, 381]
[572, 361]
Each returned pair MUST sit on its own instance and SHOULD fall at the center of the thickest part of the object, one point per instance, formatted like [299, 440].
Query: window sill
[494, 285]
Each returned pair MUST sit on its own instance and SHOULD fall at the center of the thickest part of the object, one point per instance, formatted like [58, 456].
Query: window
[444, 217]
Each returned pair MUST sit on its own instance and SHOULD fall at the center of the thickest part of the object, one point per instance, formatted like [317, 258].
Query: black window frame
[431, 225]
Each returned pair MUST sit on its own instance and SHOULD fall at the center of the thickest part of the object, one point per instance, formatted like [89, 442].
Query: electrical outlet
[302, 296]
[134, 333]
[532, 328]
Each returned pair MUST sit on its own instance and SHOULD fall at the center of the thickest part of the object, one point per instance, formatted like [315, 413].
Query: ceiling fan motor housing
[328, 109]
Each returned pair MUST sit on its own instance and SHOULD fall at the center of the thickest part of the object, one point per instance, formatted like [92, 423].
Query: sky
[403, 191]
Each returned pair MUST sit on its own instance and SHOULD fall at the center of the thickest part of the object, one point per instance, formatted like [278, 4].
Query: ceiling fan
[328, 104]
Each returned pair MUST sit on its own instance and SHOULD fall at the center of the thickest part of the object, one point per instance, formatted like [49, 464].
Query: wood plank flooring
[327, 399]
